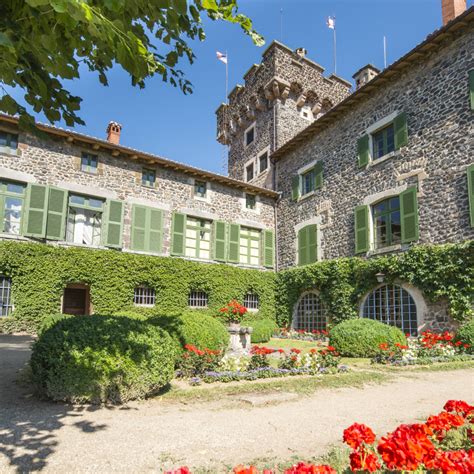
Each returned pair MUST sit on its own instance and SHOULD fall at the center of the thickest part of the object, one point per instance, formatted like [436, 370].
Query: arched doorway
[310, 313]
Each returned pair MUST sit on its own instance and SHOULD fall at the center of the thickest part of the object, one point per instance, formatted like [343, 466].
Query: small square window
[148, 177]
[198, 299]
[89, 163]
[144, 296]
[250, 201]
[263, 162]
[308, 181]
[250, 136]
[383, 141]
[8, 140]
[251, 301]
[249, 172]
[200, 189]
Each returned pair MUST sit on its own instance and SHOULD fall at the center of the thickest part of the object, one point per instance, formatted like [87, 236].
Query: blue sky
[160, 119]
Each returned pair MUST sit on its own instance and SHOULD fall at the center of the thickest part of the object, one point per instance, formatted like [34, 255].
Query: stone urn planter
[239, 343]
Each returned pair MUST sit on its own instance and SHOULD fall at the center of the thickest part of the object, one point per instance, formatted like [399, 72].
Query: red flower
[302, 468]
[294, 350]
[364, 461]
[460, 407]
[357, 434]
[331, 349]
[180, 470]
[383, 346]
[245, 470]
[443, 422]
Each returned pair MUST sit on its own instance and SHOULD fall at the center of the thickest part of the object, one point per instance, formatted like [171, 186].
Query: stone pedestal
[239, 340]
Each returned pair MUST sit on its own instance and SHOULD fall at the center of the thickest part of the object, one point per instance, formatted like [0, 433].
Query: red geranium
[357, 434]
[302, 468]
[362, 460]
[443, 422]
[460, 407]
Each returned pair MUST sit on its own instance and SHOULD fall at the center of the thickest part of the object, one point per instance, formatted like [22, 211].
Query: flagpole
[226, 78]
[385, 52]
[334, 31]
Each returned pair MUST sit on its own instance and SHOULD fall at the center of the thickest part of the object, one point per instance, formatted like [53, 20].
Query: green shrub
[465, 334]
[102, 359]
[50, 320]
[196, 328]
[361, 337]
[263, 329]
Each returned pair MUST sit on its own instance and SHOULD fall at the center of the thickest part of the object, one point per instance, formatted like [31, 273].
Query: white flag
[331, 22]
[221, 57]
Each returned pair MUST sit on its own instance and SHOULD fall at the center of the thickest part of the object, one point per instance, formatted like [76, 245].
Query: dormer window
[249, 135]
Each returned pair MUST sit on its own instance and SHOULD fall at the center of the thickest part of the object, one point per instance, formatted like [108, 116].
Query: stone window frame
[244, 207]
[254, 126]
[207, 198]
[414, 292]
[370, 201]
[144, 184]
[88, 154]
[266, 150]
[316, 220]
[302, 171]
[310, 117]
[7, 150]
[252, 162]
[373, 129]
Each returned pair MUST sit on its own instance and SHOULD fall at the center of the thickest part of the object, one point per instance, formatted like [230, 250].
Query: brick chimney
[451, 9]
[113, 132]
[365, 74]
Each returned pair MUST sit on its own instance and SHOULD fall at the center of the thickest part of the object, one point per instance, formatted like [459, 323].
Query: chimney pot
[113, 132]
[365, 74]
[451, 9]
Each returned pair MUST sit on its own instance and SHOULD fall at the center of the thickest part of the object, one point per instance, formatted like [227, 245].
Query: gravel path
[151, 435]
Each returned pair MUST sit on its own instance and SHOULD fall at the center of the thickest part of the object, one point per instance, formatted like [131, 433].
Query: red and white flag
[331, 22]
[221, 57]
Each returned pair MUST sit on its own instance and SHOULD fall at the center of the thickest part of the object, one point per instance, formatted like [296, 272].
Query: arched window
[391, 304]
[310, 313]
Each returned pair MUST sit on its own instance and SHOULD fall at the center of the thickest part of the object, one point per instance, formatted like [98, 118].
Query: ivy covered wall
[441, 272]
[39, 274]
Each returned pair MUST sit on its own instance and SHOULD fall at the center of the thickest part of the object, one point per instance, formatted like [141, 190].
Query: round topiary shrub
[196, 328]
[263, 329]
[362, 337]
[465, 334]
[98, 359]
[50, 320]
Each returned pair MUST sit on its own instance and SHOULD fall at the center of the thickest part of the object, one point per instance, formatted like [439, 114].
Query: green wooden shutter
[57, 211]
[302, 246]
[36, 210]
[363, 151]
[295, 188]
[178, 232]
[138, 229]
[361, 229]
[401, 130]
[312, 239]
[268, 248]
[470, 190]
[318, 175]
[409, 215]
[234, 243]
[113, 224]
[220, 240]
[155, 230]
[471, 87]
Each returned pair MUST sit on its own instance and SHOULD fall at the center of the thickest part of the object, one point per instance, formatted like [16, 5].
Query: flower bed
[302, 334]
[428, 348]
[443, 444]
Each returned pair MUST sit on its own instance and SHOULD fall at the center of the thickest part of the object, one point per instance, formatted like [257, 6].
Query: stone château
[317, 171]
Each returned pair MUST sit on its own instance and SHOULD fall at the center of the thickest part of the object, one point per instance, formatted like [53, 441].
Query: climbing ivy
[40, 273]
[439, 271]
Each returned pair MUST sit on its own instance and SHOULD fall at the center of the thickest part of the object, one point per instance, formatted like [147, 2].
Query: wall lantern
[380, 277]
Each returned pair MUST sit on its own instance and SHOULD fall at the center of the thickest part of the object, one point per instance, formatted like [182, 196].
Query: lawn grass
[287, 344]
[302, 385]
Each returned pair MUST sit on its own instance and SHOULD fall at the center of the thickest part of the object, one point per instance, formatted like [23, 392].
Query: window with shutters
[12, 202]
[310, 314]
[249, 246]
[387, 222]
[249, 135]
[393, 305]
[383, 142]
[89, 163]
[144, 296]
[251, 301]
[8, 142]
[200, 189]
[307, 245]
[148, 177]
[308, 181]
[250, 201]
[6, 306]
[198, 238]
[84, 220]
[197, 299]
[146, 229]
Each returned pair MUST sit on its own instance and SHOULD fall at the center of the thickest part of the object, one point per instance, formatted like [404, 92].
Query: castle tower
[282, 95]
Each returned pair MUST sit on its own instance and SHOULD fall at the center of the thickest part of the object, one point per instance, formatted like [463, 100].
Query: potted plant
[233, 313]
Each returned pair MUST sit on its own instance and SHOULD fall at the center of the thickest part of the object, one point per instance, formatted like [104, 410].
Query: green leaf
[5, 40]
[8, 105]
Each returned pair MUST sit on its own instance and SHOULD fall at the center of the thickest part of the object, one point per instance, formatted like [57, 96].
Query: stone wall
[435, 96]
[56, 162]
[274, 95]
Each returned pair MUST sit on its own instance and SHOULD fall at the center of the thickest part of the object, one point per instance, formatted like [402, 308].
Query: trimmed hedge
[439, 271]
[362, 337]
[263, 329]
[98, 359]
[465, 334]
[40, 272]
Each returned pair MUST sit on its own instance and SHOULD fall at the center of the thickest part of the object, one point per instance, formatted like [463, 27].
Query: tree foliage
[43, 42]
